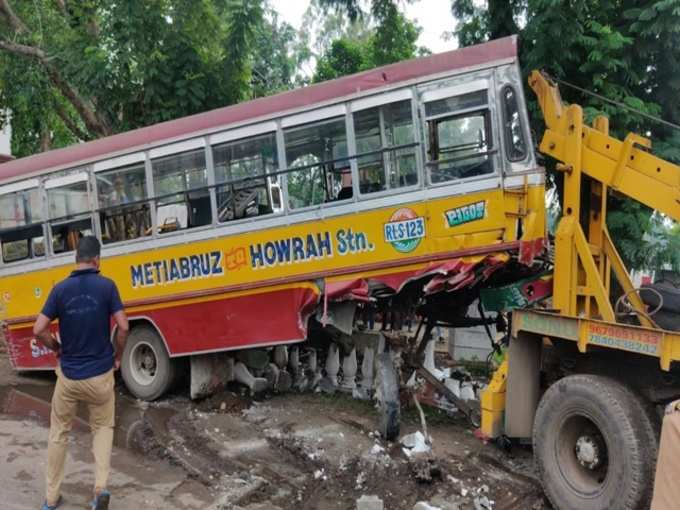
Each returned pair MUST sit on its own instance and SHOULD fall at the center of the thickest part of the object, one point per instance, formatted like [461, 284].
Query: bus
[246, 240]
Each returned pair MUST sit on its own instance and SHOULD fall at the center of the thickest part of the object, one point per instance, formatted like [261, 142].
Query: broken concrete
[370, 503]
[302, 451]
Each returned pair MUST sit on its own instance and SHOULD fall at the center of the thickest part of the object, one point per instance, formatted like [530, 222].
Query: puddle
[134, 420]
[137, 478]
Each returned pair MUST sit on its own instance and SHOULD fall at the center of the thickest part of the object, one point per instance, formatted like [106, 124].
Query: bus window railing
[452, 172]
[135, 215]
[396, 168]
[22, 242]
[65, 231]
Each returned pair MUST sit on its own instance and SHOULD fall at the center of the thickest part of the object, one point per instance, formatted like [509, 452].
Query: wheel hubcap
[588, 452]
[143, 363]
[582, 455]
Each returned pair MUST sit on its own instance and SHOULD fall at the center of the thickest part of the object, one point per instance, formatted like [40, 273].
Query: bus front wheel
[146, 367]
[595, 445]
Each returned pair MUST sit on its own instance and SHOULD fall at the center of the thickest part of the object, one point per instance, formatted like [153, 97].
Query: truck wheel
[388, 395]
[595, 445]
[146, 367]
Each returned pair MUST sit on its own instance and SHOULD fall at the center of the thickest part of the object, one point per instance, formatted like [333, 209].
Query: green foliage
[74, 71]
[395, 36]
[392, 38]
[276, 57]
[476, 24]
[625, 50]
[344, 57]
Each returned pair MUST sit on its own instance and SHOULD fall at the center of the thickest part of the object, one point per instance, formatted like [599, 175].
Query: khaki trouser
[666, 486]
[97, 392]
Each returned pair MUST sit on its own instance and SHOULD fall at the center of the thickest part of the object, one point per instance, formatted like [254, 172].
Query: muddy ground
[302, 451]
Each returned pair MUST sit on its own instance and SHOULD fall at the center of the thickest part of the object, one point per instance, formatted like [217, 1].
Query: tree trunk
[45, 140]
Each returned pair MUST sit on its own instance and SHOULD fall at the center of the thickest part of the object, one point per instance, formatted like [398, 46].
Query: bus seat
[243, 203]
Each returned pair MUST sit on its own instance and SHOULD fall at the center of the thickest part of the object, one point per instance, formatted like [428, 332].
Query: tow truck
[585, 376]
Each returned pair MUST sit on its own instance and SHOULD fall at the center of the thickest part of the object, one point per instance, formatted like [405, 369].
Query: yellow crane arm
[625, 166]
[585, 255]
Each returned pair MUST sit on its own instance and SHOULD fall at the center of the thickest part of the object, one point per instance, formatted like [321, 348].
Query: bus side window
[181, 188]
[124, 209]
[386, 147]
[514, 134]
[459, 137]
[243, 190]
[69, 211]
[21, 230]
[318, 166]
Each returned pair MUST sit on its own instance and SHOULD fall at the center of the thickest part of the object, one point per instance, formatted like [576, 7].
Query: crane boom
[625, 166]
[585, 255]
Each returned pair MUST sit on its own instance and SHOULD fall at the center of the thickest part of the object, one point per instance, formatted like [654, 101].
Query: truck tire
[147, 369]
[595, 445]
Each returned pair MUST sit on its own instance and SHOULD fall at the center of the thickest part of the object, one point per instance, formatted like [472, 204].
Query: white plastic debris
[428, 362]
[453, 385]
[414, 443]
[467, 392]
[377, 449]
[422, 505]
[483, 503]
[411, 383]
[361, 480]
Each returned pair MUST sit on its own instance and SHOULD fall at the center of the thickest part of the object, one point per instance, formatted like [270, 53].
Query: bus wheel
[388, 398]
[595, 445]
[146, 367]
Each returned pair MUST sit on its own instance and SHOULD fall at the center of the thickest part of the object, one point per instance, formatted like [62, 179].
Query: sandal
[48, 507]
[101, 501]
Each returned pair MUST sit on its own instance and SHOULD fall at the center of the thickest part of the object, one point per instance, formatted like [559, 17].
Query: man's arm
[41, 330]
[122, 330]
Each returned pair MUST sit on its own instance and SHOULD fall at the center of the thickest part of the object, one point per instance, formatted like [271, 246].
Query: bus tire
[146, 367]
[389, 405]
[595, 445]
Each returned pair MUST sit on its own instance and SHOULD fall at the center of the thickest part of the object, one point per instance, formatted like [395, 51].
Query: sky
[434, 16]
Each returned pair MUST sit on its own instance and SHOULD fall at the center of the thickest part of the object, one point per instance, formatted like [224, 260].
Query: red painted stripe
[232, 323]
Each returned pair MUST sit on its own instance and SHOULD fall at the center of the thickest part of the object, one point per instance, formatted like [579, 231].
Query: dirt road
[303, 451]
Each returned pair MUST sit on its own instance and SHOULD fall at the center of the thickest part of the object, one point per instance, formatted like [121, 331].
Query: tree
[626, 50]
[497, 19]
[78, 70]
[276, 56]
[391, 38]
[325, 23]
[344, 57]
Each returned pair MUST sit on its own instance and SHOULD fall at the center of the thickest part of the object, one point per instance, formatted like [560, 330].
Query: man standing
[84, 304]
[666, 489]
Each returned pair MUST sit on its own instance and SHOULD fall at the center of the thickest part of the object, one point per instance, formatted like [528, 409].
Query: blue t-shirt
[84, 303]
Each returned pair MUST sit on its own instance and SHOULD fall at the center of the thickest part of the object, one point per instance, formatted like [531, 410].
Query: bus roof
[202, 123]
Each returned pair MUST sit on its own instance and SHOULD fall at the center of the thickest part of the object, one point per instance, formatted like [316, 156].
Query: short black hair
[88, 249]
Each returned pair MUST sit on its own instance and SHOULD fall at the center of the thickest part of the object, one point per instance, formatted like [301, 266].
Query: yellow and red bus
[236, 229]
